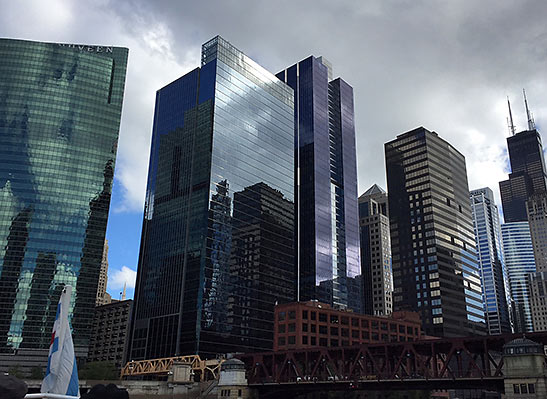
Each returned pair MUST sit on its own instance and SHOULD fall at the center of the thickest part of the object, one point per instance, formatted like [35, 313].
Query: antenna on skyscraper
[531, 123]
[510, 119]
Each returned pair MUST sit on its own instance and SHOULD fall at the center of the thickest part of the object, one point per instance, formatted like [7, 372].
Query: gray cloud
[445, 65]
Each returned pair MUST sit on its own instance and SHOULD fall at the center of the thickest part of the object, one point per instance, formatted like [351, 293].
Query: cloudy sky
[445, 65]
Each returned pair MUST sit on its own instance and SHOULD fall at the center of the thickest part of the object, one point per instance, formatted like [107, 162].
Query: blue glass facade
[519, 260]
[327, 231]
[218, 241]
[495, 281]
[60, 108]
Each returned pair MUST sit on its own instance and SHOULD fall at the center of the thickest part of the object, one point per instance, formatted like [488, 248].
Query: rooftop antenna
[531, 123]
[510, 119]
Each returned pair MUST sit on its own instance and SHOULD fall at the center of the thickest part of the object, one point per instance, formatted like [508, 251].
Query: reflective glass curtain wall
[519, 260]
[60, 109]
[217, 243]
[435, 269]
[495, 281]
[327, 231]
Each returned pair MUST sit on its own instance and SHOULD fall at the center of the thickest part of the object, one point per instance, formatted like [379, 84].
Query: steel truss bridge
[438, 363]
[446, 363]
[204, 369]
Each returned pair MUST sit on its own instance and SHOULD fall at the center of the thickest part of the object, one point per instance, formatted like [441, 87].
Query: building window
[292, 315]
[305, 340]
[345, 320]
[292, 327]
[281, 341]
[281, 328]
[313, 328]
[523, 388]
[281, 316]
[292, 340]
[323, 317]
[305, 314]
[323, 330]
[239, 392]
[334, 319]
[531, 388]
[322, 342]
[313, 315]
[305, 327]
[334, 331]
[313, 341]
[333, 342]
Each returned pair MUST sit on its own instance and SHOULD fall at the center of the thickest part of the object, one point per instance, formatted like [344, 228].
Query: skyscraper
[375, 252]
[435, 269]
[528, 173]
[519, 261]
[495, 281]
[103, 297]
[217, 248]
[60, 111]
[327, 230]
[536, 210]
[524, 198]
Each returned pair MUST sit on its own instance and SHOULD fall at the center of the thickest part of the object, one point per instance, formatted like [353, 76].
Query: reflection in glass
[217, 244]
[60, 108]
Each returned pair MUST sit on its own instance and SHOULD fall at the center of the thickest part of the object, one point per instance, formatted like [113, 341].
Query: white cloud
[119, 277]
[446, 66]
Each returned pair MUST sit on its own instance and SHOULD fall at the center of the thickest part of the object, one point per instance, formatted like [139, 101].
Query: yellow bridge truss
[207, 369]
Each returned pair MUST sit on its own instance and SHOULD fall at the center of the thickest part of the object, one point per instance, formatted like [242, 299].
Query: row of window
[524, 388]
[343, 320]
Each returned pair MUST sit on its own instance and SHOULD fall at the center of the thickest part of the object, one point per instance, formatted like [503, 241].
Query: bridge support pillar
[524, 370]
[233, 383]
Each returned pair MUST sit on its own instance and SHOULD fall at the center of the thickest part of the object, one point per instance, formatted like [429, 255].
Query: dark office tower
[327, 230]
[435, 270]
[60, 108]
[217, 242]
[375, 252]
[494, 277]
[528, 174]
[262, 232]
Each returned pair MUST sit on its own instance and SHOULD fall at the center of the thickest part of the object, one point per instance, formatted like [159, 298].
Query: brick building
[110, 330]
[300, 325]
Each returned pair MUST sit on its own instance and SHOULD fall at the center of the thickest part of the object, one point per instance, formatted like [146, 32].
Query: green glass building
[60, 109]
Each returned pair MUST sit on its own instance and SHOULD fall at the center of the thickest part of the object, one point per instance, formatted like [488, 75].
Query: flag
[61, 373]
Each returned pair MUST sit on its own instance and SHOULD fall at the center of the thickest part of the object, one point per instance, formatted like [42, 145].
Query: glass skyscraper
[435, 269]
[495, 281]
[327, 229]
[217, 248]
[60, 109]
[519, 260]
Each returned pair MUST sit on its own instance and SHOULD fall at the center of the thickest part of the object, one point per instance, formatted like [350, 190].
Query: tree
[102, 371]
[16, 371]
[36, 373]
